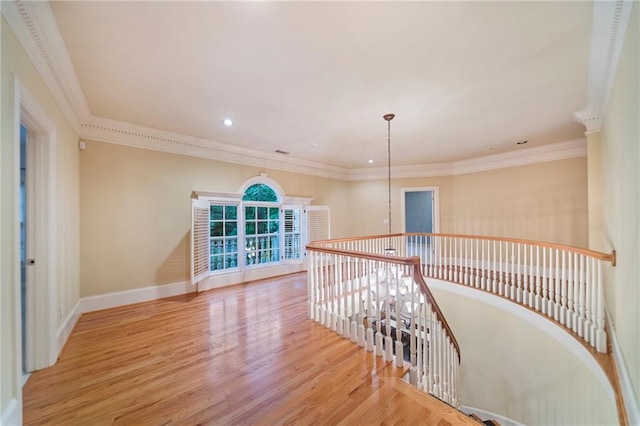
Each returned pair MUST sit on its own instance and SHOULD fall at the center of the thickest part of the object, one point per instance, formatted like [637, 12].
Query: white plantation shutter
[317, 223]
[292, 232]
[200, 240]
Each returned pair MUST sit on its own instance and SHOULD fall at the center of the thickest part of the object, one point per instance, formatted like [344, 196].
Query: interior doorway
[420, 210]
[35, 236]
[420, 214]
[27, 246]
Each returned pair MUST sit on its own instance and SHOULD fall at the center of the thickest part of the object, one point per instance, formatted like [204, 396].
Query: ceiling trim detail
[610, 20]
[111, 131]
[523, 157]
[35, 26]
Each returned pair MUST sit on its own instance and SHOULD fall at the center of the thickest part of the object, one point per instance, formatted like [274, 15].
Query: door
[419, 211]
[27, 248]
[420, 215]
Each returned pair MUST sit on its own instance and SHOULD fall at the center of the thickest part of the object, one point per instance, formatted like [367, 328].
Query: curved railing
[381, 301]
[378, 297]
[558, 281]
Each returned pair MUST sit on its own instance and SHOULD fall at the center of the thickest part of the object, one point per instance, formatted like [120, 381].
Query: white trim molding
[136, 295]
[610, 20]
[629, 397]
[65, 329]
[36, 28]
[540, 154]
[117, 132]
[591, 122]
[43, 302]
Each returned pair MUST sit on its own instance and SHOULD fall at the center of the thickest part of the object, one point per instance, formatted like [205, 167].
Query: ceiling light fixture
[388, 118]
[370, 161]
[228, 122]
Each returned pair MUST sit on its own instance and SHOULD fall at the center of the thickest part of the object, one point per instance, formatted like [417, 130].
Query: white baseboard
[488, 415]
[113, 300]
[11, 414]
[65, 329]
[128, 297]
[632, 407]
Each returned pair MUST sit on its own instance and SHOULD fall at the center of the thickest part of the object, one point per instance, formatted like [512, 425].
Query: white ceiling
[465, 79]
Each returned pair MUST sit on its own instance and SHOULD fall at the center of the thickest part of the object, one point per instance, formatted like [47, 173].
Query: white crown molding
[551, 152]
[37, 30]
[591, 122]
[105, 130]
[610, 20]
[542, 154]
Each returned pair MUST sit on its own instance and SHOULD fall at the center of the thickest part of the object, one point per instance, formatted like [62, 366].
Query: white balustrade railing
[561, 282]
[381, 302]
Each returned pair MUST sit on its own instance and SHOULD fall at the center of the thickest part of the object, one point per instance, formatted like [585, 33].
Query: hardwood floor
[247, 354]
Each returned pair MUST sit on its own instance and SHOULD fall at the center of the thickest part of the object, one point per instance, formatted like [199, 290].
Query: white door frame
[436, 206]
[43, 303]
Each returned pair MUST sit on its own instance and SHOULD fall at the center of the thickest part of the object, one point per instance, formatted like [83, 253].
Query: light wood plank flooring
[247, 354]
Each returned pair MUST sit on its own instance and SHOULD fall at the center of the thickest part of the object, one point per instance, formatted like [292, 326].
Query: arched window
[257, 226]
[261, 225]
[260, 192]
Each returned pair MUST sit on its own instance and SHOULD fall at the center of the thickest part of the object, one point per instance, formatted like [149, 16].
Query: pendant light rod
[388, 118]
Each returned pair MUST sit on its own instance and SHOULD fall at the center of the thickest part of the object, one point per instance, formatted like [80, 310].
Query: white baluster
[557, 285]
[576, 294]
[483, 268]
[590, 315]
[445, 369]
[455, 262]
[477, 265]
[500, 276]
[538, 283]
[581, 296]
[545, 288]
[601, 337]
[520, 294]
[494, 283]
[563, 290]
[466, 262]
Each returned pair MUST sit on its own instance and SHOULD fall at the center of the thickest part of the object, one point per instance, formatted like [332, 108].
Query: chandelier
[390, 250]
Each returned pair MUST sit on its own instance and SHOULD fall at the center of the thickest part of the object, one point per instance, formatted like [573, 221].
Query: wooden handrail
[413, 261]
[578, 302]
[425, 289]
[607, 257]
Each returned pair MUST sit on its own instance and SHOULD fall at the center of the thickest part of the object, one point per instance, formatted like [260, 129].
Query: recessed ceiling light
[228, 122]
[370, 161]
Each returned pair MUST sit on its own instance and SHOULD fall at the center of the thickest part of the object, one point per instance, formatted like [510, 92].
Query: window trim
[235, 198]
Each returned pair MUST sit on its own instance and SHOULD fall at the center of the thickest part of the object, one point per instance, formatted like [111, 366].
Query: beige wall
[545, 202]
[136, 211]
[513, 368]
[369, 207]
[16, 64]
[621, 170]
